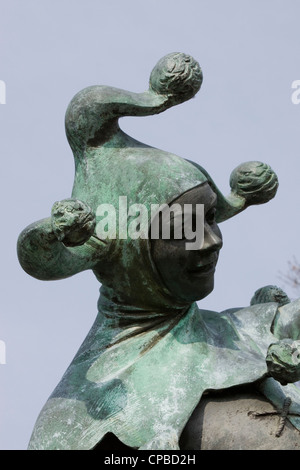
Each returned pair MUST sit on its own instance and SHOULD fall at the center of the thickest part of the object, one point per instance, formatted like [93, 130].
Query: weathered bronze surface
[150, 364]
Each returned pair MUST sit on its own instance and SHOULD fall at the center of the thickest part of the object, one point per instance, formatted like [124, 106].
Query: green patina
[150, 354]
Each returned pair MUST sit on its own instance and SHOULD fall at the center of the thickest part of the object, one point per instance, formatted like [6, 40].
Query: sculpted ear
[251, 183]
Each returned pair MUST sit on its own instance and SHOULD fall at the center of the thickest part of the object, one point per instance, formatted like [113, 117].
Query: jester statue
[155, 371]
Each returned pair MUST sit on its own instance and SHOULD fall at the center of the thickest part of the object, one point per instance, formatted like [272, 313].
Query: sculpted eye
[211, 216]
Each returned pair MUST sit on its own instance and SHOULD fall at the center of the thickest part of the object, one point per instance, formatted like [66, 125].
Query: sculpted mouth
[204, 269]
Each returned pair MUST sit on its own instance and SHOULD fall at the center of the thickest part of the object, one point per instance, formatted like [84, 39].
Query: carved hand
[73, 221]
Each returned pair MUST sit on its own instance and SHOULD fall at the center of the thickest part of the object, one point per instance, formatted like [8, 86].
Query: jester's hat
[109, 163]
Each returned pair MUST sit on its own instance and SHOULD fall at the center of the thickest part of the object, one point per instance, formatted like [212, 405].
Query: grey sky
[248, 51]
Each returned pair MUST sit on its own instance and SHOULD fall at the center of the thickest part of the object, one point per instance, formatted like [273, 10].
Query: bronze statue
[155, 369]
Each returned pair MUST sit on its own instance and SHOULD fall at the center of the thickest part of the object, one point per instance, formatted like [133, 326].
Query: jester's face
[189, 274]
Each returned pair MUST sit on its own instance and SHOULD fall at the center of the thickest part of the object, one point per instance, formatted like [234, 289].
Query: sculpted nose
[212, 240]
